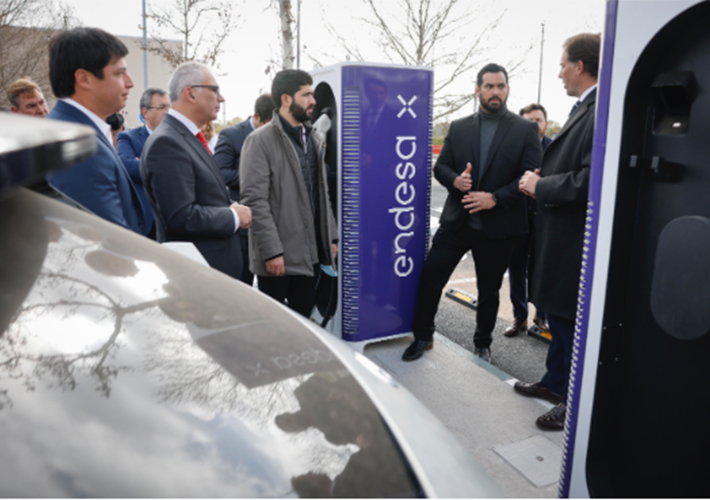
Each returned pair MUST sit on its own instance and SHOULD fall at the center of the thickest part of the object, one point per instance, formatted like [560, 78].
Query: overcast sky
[256, 42]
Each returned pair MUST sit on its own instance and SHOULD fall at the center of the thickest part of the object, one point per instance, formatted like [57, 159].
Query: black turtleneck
[489, 123]
[488, 126]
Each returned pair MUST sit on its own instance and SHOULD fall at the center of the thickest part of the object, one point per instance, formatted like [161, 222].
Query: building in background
[29, 57]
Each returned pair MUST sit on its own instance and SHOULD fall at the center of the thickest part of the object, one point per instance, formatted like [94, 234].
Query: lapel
[588, 102]
[474, 135]
[194, 143]
[143, 136]
[79, 117]
[505, 123]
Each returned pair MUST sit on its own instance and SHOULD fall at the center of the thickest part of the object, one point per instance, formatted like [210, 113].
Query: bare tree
[26, 26]
[287, 50]
[448, 35]
[202, 25]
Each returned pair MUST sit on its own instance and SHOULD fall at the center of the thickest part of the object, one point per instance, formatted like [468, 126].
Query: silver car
[128, 370]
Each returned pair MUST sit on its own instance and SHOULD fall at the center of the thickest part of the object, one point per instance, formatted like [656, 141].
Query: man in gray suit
[561, 191]
[228, 154]
[182, 179]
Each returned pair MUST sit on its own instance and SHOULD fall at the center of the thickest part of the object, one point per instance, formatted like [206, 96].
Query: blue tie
[576, 105]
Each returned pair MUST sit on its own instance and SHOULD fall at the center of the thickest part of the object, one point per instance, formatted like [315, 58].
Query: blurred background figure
[210, 136]
[154, 104]
[26, 98]
[228, 153]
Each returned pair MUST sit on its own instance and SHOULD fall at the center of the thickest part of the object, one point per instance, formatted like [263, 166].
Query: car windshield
[127, 370]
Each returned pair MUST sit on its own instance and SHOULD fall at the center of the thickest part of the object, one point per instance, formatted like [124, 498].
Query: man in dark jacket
[182, 180]
[483, 157]
[561, 192]
[228, 153]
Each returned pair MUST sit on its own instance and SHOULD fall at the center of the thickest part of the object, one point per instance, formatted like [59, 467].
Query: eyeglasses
[213, 88]
[159, 108]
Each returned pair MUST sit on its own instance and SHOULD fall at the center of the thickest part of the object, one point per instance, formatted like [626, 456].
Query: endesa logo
[404, 194]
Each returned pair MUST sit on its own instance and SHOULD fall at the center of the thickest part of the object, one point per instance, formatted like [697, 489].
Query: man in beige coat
[283, 181]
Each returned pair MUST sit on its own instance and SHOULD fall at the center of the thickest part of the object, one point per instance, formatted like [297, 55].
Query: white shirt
[104, 127]
[194, 130]
[587, 92]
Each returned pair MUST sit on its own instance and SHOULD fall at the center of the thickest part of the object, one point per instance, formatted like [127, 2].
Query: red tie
[203, 141]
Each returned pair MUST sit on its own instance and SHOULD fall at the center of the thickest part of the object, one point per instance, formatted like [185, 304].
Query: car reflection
[128, 372]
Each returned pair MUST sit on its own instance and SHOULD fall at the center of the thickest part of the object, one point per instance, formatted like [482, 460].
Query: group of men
[490, 162]
[163, 181]
[268, 174]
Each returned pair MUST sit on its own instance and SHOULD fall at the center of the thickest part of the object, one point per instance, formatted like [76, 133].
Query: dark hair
[491, 68]
[533, 107]
[90, 49]
[288, 81]
[147, 97]
[264, 107]
[116, 121]
[585, 47]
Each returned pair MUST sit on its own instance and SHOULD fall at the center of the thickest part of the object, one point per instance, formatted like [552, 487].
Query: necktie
[576, 105]
[202, 139]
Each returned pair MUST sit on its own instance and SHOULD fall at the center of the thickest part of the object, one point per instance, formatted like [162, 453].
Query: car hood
[127, 370]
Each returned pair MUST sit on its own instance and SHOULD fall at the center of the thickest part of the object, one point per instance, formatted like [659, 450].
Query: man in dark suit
[153, 106]
[89, 76]
[182, 180]
[561, 192]
[518, 268]
[228, 154]
[483, 157]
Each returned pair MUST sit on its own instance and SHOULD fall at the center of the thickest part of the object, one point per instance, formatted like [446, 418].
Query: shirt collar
[251, 122]
[149, 130]
[194, 129]
[104, 127]
[587, 92]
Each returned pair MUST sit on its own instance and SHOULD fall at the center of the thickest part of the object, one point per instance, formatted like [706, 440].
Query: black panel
[680, 291]
[650, 435]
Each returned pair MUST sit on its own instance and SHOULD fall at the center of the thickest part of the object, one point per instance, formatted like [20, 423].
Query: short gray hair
[147, 97]
[188, 73]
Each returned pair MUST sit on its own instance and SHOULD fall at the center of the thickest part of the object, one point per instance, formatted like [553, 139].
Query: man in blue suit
[153, 106]
[89, 76]
[518, 268]
[228, 153]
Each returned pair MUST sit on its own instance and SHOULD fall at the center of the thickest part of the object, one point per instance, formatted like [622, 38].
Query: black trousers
[491, 258]
[247, 276]
[559, 355]
[298, 291]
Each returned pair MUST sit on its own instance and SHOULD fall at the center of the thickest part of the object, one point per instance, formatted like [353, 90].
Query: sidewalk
[476, 402]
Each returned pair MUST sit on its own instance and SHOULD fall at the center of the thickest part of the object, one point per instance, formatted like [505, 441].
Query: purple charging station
[382, 126]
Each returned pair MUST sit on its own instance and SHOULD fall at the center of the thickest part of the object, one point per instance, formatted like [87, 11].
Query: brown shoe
[519, 325]
[537, 390]
[553, 420]
[541, 324]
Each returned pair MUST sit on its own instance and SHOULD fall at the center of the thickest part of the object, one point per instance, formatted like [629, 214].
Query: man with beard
[284, 182]
[483, 157]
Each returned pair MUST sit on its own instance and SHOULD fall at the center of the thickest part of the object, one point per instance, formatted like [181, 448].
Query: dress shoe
[553, 420]
[518, 326]
[416, 349]
[483, 352]
[541, 323]
[537, 390]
